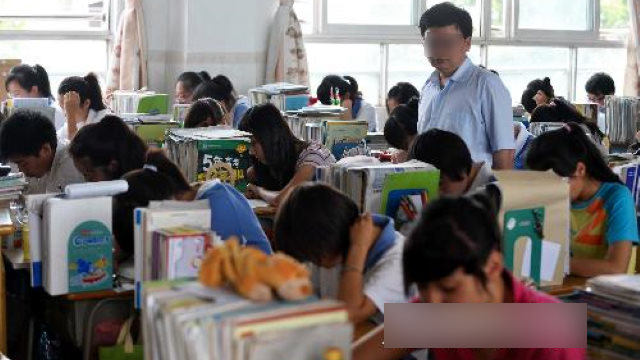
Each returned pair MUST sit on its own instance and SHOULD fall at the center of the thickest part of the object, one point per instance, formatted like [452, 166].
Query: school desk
[569, 284]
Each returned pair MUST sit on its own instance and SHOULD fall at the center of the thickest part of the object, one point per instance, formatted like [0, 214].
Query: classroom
[320, 179]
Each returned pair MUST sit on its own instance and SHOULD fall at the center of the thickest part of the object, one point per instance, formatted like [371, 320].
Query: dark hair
[314, 223]
[345, 84]
[560, 110]
[108, 140]
[444, 241]
[29, 76]
[218, 88]
[202, 110]
[600, 84]
[402, 123]
[88, 88]
[561, 150]
[281, 148]
[159, 180]
[533, 87]
[24, 133]
[190, 79]
[402, 92]
[446, 14]
[444, 150]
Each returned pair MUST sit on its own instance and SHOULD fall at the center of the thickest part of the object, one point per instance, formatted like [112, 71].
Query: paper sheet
[550, 254]
[258, 203]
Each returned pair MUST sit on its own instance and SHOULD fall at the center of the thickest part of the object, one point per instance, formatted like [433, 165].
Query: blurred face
[541, 98]
[35, 166]
[453, 188]
[182, 95]
[93, 173]
[446, 48]
[16, 91]
[257, 151]
[391, 104]
[460, 287]
[596, 98]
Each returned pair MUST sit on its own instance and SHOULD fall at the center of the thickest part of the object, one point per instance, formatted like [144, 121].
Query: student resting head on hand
[81, 101]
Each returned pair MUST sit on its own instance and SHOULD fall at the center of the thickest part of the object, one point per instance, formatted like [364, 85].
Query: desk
[569, 284]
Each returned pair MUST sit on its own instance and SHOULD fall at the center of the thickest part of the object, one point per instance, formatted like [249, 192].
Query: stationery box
[77, 245]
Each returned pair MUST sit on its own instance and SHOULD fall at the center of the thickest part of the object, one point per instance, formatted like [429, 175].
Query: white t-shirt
[63, 172]
[92, 118]
[367, 113]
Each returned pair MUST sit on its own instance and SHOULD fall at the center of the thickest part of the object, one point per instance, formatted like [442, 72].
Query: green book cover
[154, 104]
[398, 185]
[224, 159]
[521, 226]
[154, 134]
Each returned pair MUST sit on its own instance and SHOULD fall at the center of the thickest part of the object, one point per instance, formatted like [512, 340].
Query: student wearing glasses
[598, 87]
[461, 97]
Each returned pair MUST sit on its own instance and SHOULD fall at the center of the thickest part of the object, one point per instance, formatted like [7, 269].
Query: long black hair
[281, 148]
[532, 89]
[561, 150]
[402, 124]
[87, 87]
[203, 109]
[29, 76]
[345, 84]
[444, 241]
[560, 110]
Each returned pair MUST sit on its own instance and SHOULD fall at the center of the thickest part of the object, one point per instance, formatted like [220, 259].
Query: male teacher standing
[461, 97]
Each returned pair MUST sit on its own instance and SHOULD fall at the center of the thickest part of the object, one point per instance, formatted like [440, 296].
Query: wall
[221, 36]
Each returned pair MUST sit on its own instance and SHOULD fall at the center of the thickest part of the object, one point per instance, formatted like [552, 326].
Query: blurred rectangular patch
[423, 325]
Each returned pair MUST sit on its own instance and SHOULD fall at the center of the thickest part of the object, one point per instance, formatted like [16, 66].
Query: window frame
[372, 34]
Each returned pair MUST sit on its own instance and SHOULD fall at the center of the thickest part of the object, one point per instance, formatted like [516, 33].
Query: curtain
[128, 62]
[286, 57]
[632, 72]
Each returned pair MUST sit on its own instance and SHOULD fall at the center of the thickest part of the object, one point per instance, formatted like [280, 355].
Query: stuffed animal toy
[254, 274]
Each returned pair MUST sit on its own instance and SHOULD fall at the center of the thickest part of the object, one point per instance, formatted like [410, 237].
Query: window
[66, 37]
[520, 39]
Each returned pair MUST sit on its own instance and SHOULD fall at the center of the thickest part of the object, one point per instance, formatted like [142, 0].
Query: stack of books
[138, 104]
[184, 320]
[12, 186]
[613, 313]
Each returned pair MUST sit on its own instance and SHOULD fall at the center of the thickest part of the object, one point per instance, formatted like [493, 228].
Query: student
[81, 101]
[25, 81]
[205, 112]
[598, 87]
[457, 259]
[28, 139]
[560, 110]
[346, 88]
[107, 150]
[221, 89]
[401, 128]
[448, 153]
[320, 225]
[187, 82]
[160, 179]
[523, 142]
[400, 94]
[281, 161]
[538, 92]
[603, 213]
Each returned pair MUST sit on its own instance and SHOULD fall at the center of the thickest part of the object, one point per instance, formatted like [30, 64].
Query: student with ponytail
[603, 213]
[401, 128]
[161, 179]
[346, 87]
[81, 101]
[187, 82]
[25, 81]
[220, 88]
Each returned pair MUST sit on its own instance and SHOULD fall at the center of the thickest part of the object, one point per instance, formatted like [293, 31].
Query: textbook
[340, 135]
[211, 153]
[139, 102]
[153, 134]
[188, 321]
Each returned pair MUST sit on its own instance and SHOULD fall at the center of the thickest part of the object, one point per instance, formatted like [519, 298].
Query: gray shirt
[63, 172]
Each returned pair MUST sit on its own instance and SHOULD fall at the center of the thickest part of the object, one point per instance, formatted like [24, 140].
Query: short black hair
[345, 84]
[600, 84]
[190, 79]
[402, 92]
[24, 133]
[444, 241]
[314, 222]
[29, 76]
[402, 123]
[444, 150]
[446, 14]
[108, 140]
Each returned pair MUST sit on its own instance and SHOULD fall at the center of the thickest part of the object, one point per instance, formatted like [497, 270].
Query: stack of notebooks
[188, 321]
[613, 313]
[211, 153]
[285, 96]
[622, 115]
[12, 186]
[140, 104]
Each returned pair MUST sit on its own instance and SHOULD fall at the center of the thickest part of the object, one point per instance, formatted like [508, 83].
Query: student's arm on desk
[274, 198]
[371, 347]
[503, 160]
[616, 262]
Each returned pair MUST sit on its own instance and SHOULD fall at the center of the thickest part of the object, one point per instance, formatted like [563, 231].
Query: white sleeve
[384, 282]
[368, 114]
